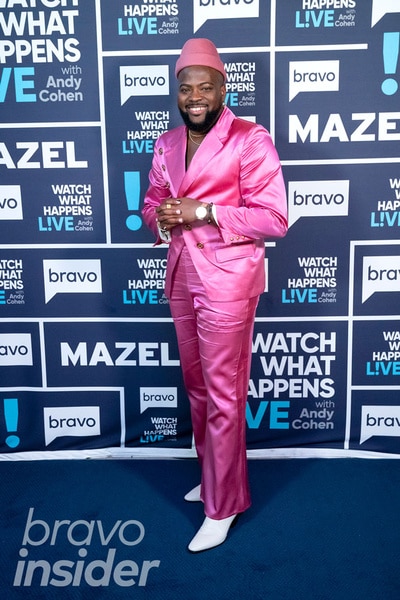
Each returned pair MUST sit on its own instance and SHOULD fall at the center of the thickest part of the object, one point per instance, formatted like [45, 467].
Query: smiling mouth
[196, 111]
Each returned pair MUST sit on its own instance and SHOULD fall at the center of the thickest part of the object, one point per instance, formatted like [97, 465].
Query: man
[216, 191]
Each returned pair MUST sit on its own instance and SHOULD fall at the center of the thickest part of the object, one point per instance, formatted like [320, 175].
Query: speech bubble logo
[381, 7]
[76, 276]
[318, 199]
[16, 349]
[313, 76]
[207, 9]
[10, 203]
[380, 274]
[158, 397]
[77, 421]
[379, 420]
[149, 80]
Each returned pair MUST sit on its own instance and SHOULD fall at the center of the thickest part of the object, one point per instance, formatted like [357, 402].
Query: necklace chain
[194, 141]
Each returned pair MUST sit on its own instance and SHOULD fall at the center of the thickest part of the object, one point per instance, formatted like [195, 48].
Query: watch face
[201, 212]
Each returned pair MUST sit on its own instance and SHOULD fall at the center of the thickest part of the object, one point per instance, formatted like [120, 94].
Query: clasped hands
[176, 211]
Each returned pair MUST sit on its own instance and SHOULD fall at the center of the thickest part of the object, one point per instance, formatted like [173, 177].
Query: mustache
[210, 119]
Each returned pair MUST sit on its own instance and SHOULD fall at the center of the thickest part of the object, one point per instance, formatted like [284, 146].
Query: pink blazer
[238, 169]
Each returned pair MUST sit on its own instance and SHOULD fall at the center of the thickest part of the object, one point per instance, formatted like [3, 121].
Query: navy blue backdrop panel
[89, 364]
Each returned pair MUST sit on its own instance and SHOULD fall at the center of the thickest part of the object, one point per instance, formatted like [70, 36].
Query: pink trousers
[214, 340]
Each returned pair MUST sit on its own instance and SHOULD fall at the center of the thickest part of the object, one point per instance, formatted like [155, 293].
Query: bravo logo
[380, 274]
[16, 350]
[223, 9]
[155, 397]
[78, 421]
[77, 276]
[313, 76]
[318, 199]
[379, 420]
[149, 80]
[381, 7]
[10, 203]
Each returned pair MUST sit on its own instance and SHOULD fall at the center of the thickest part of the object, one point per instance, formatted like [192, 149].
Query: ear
[223, 92]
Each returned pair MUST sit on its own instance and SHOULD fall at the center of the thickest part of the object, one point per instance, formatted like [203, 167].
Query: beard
[209, 120]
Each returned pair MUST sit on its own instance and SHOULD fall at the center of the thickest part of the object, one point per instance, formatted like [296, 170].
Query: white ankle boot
[212, 533]
[194, 494]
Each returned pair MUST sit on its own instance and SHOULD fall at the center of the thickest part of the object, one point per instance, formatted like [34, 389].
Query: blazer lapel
[174, 159]
[212, 144]
[200, 161]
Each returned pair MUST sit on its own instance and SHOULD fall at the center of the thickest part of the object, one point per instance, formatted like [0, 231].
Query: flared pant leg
[215, 343]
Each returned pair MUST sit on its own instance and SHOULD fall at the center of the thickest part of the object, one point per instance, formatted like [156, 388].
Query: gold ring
[168, 206]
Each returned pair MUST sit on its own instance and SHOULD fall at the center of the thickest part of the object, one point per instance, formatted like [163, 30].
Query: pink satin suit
[214, 278]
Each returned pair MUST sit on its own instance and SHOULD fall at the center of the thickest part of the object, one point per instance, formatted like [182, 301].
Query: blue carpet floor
[317, 530]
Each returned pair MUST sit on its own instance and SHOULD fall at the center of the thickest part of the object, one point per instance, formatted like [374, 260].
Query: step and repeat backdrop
[88, 358]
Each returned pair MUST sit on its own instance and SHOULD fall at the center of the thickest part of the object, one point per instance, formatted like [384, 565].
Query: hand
[176, 211]
[169, 214]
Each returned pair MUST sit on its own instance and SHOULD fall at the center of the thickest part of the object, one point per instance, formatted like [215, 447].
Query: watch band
[210, 218]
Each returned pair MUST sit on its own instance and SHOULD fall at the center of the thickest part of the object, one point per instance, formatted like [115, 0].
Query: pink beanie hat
[202, 52]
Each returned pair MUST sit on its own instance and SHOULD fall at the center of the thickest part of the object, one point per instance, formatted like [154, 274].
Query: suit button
[200, 245]
[160, 151]
[188, 227]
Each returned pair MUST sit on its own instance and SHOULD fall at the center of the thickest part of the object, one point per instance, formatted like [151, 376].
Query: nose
[195, 94]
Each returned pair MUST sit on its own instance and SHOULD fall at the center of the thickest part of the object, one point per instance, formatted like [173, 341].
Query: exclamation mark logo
[132, 193]
[11, 418]
[391, 42]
